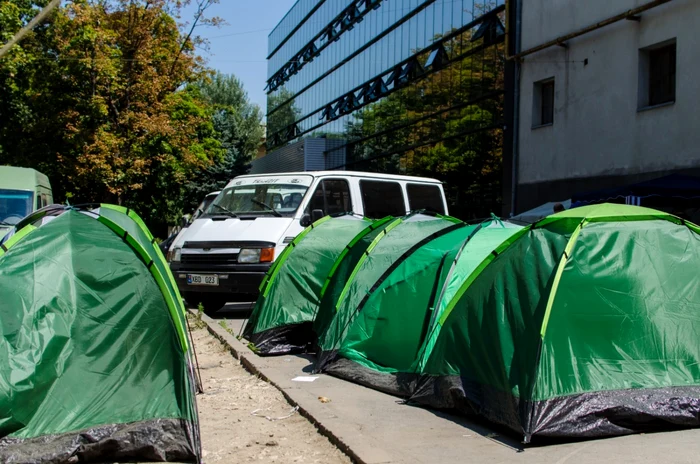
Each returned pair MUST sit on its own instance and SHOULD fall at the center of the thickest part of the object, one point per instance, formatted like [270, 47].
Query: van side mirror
[183, 221]
[317, 214]
[305, 220]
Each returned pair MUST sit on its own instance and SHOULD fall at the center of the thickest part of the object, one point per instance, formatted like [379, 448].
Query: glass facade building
[406, 86]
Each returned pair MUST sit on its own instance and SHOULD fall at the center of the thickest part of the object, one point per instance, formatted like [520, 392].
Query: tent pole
[200, 385]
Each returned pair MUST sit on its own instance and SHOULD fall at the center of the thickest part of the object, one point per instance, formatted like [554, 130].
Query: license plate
[201, 279]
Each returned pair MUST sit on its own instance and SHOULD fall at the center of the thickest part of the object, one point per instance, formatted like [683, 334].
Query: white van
[224, 254]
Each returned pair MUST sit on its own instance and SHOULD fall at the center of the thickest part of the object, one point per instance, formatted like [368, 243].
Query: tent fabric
[282, 319]
[382, 345]
[388, 250]
[93, 365]
[341, 271]
[384, 336]
[583, 325]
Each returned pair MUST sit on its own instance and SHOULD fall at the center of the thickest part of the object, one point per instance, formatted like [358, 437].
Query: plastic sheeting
[586, 325]
[89, 348]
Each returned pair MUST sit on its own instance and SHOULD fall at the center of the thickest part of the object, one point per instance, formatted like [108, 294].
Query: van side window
[425, 196]
[382, 199]
[332, 196]
[337, 196]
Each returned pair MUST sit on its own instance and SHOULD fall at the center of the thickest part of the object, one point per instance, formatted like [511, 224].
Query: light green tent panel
[91, 362]
[388, 329]
[386, 250]
[283, 315]
[583, 325]
[342, 270]
[474, 253]
[632, 283]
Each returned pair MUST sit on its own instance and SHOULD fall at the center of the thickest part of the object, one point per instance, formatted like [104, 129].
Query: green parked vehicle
[22, 191]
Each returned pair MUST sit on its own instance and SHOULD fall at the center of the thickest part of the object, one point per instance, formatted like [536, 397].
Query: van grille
[214, 258]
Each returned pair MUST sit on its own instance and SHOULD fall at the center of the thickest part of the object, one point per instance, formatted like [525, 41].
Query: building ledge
[653, 107]
[540, 126]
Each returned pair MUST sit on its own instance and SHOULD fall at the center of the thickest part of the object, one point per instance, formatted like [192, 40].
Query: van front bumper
[238, 282]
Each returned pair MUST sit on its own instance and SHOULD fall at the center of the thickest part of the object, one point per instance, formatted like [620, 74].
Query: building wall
[309, 154]
[286, 159]
[600, 137]
[415, 87]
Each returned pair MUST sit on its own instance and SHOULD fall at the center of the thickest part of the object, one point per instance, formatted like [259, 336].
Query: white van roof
[370, 175]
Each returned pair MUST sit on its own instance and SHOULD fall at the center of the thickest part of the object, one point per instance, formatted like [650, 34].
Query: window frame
[538, 103]
[650, 95]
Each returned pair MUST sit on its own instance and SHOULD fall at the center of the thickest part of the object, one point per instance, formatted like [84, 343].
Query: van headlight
[256, 255]
[176, 255]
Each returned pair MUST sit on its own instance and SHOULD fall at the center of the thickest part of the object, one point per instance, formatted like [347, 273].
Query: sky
[240, 46]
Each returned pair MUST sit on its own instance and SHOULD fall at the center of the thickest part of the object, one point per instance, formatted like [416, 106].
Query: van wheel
[211, 303]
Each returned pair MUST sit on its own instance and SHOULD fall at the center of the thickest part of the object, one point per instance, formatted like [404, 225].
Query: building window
[543, 104]
[657, 74]
[381, 199]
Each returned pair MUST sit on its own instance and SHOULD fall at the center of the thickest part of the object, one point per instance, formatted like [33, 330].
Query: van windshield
[259, 199]
[14, 205]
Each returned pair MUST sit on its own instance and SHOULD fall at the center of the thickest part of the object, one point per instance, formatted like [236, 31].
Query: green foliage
[224, 325]
[284, 116]
[238, 127]
[111, 101]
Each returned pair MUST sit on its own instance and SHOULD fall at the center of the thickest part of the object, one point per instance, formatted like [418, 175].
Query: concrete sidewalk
[373, 428]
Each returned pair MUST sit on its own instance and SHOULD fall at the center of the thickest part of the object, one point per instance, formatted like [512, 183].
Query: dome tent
[91, 308]
[283, 316]
[401, 236]
[385, 333]
[583, 325]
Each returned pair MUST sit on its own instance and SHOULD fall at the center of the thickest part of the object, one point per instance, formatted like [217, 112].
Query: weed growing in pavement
[197, 319]
[224, 325]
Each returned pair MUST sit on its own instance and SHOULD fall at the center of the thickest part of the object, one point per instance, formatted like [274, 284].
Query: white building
[612, 106]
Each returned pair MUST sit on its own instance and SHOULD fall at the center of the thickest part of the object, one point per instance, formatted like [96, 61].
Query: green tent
[95, 361]
[401, 237]
[282, 320]
[582, 325]
[385, 333]
[341, 271]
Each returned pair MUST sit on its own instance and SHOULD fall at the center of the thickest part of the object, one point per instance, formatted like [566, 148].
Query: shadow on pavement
[234, 311]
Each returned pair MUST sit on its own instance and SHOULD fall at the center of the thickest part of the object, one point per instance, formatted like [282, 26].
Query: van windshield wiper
[265, 205]
[226, 210]
[3, 223]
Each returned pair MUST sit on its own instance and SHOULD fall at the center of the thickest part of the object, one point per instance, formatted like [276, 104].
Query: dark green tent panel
[340, 274]
[382, 341]
[584, 325]
[388, 250]
[382, 345]
[94, 364]
[284, 313]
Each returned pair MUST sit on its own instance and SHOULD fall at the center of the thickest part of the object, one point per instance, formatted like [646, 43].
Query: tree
[281, 119]
[97, 104]
[238, 127]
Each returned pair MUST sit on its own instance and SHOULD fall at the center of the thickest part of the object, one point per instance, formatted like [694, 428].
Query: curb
[241, 352]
